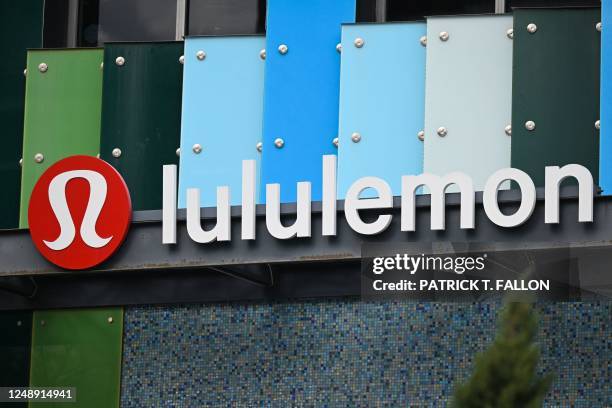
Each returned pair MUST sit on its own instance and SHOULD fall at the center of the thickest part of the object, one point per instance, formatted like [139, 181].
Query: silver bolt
[197, 148]
[421, 135]
[442, 131]
[116, 152]
[283, 49]
[335, 141]
[182, 59]
[279, 143]
[597, 124]
[39, 158]
[259, 146]
[532, 28]
[262, 54]
[510, 33]
[356, 137]
[20, 162]
[110, 319]
[120, 61]
[102, 65]
[42, 322]
[339, 47]
[423, 41]
[444, 36]
[98, 155]
[178, 152]
[42, 67]
[19, 323]
[25, 72]
[598, 26]
[200, 55]
[530, 125]
[359, 42]
[508, 130]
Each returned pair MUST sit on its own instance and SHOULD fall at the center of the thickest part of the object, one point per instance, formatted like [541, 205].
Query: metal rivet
[42, 67]
[262, 54]
[120, 61]
[201, 55]
[110, 319]
[508, 130]
[116, 152]
[259, 146]
[510, 33]
[356, 137]
[442, 131]
[598, 26]
[421, 135]
[197, 148]
[102, 65]
[283, 49]
[444, 36]
[279, 143]
[25, 72]
[20, 162]
[423, 41]
[335, 141]
[530, 125]
[42, 323]
[39, 158]
[532, 28]
[359, 42]
[182, 59]
[98, 155]
[19, 323]
[597, 124]
[339, 47]
[178, 151]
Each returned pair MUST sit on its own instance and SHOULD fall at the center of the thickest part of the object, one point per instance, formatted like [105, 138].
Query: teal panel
[222, 113]
[555, 90]
[16, 329]
[468, 96]
[141, 115]
[20, 28]
[382, 98]
[302, 88]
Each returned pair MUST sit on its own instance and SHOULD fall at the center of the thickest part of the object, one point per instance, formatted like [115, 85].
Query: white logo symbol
[57, 199]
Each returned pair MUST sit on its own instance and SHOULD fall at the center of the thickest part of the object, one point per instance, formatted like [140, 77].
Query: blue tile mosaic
[345, 353]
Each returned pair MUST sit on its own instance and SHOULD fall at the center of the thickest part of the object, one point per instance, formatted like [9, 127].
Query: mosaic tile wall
[345, 353]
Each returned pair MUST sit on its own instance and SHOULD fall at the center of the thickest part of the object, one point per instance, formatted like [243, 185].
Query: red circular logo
[80, 212]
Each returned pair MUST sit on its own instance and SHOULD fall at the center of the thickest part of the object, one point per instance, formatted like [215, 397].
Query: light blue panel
[468, 91]
[382, 98]
[605, 139]
[301, 90]
[222, 112]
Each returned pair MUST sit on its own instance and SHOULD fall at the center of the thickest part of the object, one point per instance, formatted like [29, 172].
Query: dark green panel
[81, 349]
[15, 336]
[141, 115]
[20, 28]
[555, 85]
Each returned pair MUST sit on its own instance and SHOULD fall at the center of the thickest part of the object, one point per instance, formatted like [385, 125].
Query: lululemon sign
[79, 213]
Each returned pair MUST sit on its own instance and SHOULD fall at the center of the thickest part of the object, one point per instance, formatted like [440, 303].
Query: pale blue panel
[222, 111]
[469, 92]
[605, 159]
[301, 90]
[382, 97]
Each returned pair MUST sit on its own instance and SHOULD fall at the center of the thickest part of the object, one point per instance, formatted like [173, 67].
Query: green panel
[555, 85]
[20, 28]
[62, 111]
[141, 115]
[81, 349]
[16, 329]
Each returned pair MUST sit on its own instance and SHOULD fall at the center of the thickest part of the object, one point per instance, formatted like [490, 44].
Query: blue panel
[605, 159]
[382, 98]
[301, 90]
[222, 112]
